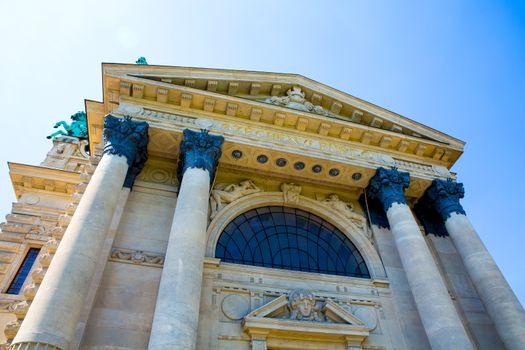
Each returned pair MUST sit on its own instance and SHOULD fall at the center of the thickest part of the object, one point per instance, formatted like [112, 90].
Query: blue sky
[457, 66]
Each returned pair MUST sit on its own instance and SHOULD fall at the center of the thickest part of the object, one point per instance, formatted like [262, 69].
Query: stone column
[502, 305]
[54, 313]
[176, 316]
[436, 310]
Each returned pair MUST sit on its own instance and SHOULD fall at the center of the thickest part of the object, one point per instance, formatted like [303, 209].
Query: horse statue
[77, 128]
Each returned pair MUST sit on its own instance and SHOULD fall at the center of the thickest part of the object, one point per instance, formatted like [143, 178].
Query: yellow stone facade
[288, 141]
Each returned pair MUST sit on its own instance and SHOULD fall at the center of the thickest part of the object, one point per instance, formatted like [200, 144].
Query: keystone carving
[291, 192]
[224, 194]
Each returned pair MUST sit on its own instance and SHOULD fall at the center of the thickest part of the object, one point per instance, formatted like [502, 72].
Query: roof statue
[142, 60]
[77, 128]
[296, 99]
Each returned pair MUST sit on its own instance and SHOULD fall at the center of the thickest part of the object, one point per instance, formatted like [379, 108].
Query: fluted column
[502, 305]
[175, 321]
[54, 313]
[436, 310]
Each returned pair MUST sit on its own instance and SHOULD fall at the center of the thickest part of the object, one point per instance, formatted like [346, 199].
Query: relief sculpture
[224, 194]
[346, 210]
[302, 306]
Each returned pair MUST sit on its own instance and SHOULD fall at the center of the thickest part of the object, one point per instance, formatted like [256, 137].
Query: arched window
[291, 239]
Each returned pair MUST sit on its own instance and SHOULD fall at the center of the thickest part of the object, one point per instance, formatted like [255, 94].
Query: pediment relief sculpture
[302, 305]
[300, 314]
[295, 99]
[224, 194]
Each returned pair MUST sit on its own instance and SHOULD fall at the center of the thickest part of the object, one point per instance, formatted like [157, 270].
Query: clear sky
[457, 66]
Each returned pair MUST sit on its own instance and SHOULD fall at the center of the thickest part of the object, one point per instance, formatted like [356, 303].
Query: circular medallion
[317, 168]
[236, 154]
[31, 199]
[262, 159]
[299, 166]
[334, 172]
[235, 306]
[281, 162]
[159, 175]
[356, 176]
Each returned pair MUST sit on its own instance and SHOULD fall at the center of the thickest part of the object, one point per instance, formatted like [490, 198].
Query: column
[175, 321]
[502, 305]
[54, 313]
[436, 310]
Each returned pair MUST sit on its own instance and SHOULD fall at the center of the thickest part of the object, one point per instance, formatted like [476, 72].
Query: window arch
[291, 239]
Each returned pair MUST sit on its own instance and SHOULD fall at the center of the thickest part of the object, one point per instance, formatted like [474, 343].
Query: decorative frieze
[137, 257]
[341, 149]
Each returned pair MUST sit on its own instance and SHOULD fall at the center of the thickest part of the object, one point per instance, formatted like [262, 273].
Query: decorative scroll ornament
[200, 150]
[223, 194]
[129, 139]
[387, 186]
[295, 100]
[444, 196]
[291, 192]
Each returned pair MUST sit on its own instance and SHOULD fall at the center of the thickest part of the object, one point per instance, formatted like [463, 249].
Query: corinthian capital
[444, 196]
[129, 139]
[387, 186]
[200, 150]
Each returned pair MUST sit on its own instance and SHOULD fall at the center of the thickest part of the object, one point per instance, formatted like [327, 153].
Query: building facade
[219, 209]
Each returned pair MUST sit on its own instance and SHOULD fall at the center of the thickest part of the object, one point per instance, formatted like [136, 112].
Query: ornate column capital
[129, 139]
[387, 186]
[200, 150]
[443, 196]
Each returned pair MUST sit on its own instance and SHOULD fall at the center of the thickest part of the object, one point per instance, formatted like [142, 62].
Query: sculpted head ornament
[302, 306]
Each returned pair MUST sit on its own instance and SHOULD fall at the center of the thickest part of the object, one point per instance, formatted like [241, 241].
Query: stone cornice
[444, 151]
[40, 178]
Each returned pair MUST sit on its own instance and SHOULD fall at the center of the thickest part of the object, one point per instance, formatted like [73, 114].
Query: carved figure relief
[291, 192]
[137, 256]
[302, 306]
[224, 194]
[295, 98]
[346, 210]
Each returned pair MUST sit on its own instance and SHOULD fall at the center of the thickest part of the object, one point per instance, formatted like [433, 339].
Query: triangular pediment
[328, 311]
[284, 102]
[320, 99]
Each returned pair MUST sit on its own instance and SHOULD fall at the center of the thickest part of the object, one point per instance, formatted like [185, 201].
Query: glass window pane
[289, 238]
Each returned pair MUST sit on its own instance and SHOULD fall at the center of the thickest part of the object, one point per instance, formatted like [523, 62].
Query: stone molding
[200, 150]
[388, 186]
[261, 199]
[127, 138]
